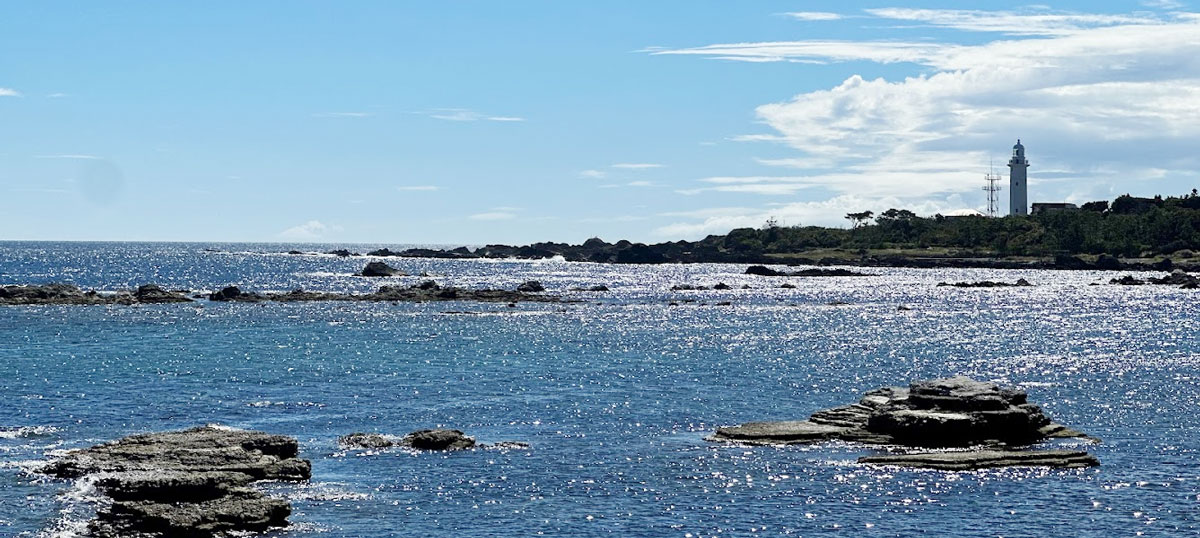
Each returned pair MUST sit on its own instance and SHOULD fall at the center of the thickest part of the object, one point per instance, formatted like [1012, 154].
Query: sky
[522, 121]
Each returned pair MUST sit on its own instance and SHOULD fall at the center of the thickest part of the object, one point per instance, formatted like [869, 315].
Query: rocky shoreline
[428, 291]
[713, 250]
[952, 412]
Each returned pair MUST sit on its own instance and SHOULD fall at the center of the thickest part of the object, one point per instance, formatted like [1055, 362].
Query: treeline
[1128, 227]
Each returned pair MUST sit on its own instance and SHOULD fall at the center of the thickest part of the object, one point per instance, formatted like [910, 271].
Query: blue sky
[479, 122]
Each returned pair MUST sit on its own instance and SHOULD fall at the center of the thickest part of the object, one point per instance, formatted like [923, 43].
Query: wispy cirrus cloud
[466, 114]
[77, 156]
[417, 188]
[592, 174]
[493, 215]
[813, 16]
[9, 92]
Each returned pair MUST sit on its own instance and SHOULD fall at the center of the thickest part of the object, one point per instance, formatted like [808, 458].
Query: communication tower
[992, 188]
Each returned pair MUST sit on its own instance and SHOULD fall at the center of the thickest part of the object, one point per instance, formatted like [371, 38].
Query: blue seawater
[615, 393]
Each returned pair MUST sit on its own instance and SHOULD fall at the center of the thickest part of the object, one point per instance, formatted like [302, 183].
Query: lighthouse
[1018, 197]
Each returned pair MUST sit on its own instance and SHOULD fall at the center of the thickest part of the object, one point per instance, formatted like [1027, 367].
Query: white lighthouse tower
[1018, 196]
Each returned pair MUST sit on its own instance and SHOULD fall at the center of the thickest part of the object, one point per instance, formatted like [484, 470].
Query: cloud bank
[1100, 100]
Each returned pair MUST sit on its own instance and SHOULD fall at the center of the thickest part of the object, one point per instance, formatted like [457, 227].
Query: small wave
[28, 432]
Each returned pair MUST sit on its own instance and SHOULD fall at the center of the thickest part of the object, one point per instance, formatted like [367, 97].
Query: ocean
[614, 393]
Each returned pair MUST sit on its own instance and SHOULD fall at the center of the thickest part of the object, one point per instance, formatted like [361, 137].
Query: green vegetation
[1128, 227]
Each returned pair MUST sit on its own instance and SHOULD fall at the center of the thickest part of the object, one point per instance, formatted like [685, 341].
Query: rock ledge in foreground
[983, 459]
[193, 482]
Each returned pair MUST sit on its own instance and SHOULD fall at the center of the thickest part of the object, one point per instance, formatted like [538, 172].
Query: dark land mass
[938, 413]
[1131, 233]
[194, 482]
[428, 291]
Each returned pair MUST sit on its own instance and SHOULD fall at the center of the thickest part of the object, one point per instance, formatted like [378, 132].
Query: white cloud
[814, 16]
[464, 114]
[637, 166]
[1009, 22]
[56, 95]
[493, 215]
[312, 230]
[9, 92]
[592, 174]
[409, 188]
[1163, 4]
[1098, 100]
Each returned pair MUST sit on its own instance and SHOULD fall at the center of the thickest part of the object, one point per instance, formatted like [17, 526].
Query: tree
[859, 218]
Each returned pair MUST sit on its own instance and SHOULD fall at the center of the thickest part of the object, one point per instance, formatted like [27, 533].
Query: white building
[1018, 196]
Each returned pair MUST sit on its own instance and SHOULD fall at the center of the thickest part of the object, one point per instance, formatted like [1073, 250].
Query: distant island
[1129, 233]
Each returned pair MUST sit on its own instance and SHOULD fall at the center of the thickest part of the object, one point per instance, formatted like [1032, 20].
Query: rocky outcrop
[762, 270]
[234, 293]
[153, 294]
[380, 269]
[1176, 278]
[69, 294]
[368, 441]
[186, 483]
[428, 291]
[1021, 282]
[949, 412]
[343, 253]
[434, 439]
[983, 459]
[531, 286]
[438, 440]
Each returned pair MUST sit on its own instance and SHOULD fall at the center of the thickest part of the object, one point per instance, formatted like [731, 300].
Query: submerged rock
[186, 483]
[950, 412]
[983, 459]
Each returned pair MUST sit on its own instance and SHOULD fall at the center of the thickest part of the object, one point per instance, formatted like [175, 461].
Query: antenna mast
[992, 188]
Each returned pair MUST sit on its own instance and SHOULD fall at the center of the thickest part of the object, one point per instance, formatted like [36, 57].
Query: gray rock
[531, 286]
[438, 440]
[366, 440]
[982, 459]
[378, 269]
[190, 483]
[956, 411]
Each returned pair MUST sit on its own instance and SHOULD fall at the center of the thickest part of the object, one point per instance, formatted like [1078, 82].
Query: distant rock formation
[1176, 278]
[69, 294]
[1020, 283]
[949, 412]
[192, 482]
[762, 270]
